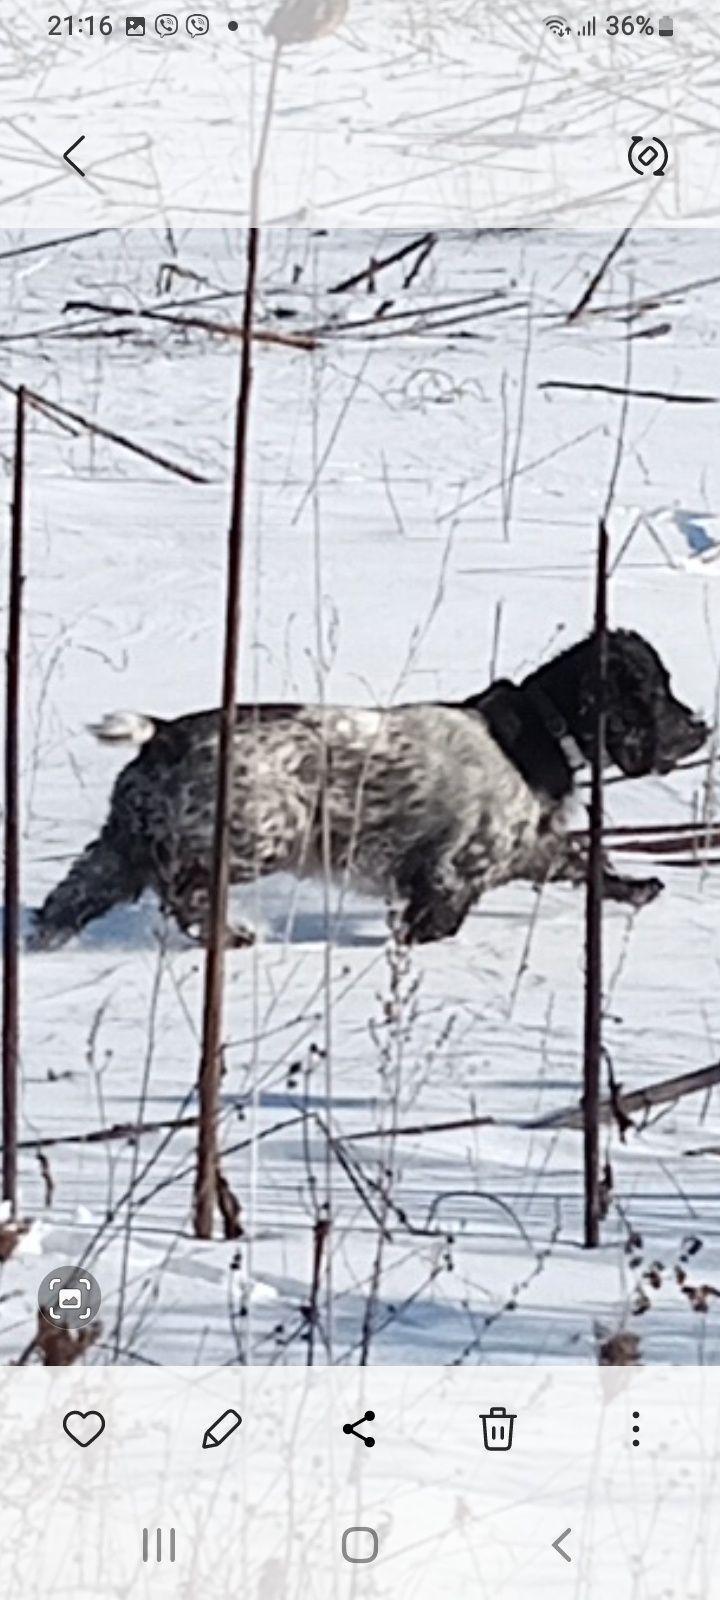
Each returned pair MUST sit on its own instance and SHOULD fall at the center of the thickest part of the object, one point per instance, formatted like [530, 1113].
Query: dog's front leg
[437, 899]
[636, 892]
[565, 861]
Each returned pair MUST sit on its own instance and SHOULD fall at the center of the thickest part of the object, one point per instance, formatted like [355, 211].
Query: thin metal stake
[11, 920]
[593, 912]
[210, 1059]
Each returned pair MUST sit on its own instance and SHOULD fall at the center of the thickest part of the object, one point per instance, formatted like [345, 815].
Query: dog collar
[557, 727]
[533, 735]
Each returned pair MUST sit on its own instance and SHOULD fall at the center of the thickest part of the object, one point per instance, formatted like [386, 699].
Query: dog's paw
[238, 936]
[648, 890]
[42, 936]
[642, 891]
[635, 892]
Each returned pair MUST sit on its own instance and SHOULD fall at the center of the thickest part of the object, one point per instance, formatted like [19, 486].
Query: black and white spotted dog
[429, 804]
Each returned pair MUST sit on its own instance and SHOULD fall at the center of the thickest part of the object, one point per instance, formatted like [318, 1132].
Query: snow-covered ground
[422, 510]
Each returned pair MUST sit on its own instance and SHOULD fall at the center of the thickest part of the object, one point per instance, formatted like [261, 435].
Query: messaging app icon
[197, 24]
[166, 24]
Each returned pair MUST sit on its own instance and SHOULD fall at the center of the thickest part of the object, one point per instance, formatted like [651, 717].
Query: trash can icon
[498, 1428]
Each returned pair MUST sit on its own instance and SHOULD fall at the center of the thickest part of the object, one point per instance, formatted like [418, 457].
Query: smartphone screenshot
[360, 577]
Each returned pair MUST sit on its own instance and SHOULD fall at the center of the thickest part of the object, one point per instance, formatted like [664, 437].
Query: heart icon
[84, 1427]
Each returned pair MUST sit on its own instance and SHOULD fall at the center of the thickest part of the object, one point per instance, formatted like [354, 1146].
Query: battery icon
[665, 27]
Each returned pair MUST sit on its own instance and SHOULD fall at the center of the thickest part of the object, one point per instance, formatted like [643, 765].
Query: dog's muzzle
[687, 735]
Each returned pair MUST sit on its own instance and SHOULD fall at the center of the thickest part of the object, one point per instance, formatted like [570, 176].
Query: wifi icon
[557, 25]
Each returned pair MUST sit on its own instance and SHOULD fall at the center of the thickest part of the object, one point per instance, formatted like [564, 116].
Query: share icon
[352, 1427]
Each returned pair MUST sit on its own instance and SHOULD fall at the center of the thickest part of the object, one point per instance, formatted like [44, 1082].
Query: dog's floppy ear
[630, 738]
[633, 678]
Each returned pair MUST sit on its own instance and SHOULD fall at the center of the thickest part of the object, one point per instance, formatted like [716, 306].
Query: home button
[360, 1546]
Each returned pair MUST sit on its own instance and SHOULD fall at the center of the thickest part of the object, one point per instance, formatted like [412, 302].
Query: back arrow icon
[557, 1543]
[67, 154]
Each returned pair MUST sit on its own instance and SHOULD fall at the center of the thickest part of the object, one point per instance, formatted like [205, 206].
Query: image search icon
[166, 24]
[69, 1297]
[197, 24]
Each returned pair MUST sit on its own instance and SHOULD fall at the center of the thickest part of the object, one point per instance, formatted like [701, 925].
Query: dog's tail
[124, 727]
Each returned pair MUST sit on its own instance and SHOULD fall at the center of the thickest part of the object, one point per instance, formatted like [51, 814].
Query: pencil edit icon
[221, 1429]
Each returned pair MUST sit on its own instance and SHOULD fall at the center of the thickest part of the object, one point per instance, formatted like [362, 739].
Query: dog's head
[647, 729]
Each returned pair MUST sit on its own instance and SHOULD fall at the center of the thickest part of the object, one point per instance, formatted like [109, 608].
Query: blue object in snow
[698, 539]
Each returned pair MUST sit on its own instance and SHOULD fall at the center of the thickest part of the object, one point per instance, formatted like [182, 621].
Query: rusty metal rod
[210, 1058]
[11, 920]
[592, 1053]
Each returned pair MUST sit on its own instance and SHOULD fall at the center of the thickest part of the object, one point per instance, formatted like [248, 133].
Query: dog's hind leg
[102, 877]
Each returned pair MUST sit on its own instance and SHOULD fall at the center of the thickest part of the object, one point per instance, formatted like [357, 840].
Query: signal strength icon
[588, 29]
[557, 25]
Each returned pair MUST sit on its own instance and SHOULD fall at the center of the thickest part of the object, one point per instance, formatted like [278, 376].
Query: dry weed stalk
[391, 1036]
